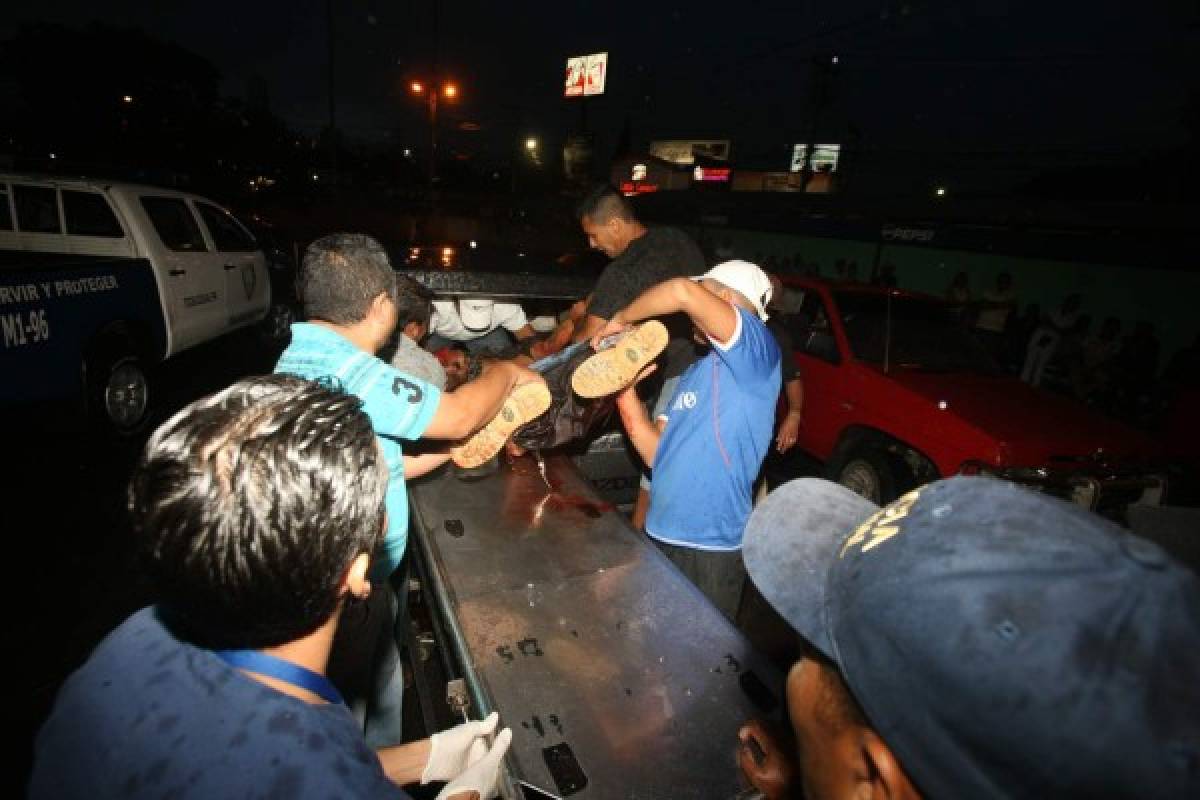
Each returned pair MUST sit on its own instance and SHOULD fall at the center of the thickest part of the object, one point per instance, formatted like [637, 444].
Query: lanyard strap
[285, 671]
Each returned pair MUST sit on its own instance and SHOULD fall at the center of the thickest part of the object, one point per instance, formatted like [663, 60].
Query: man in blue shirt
[257, 511]
[706, 449]
[348, 288]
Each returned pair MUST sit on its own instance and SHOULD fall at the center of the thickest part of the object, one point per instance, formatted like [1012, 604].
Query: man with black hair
[256, 512]
[641, 257]
[349, 293]
[974, 639]
[414, 306]
[456, 362]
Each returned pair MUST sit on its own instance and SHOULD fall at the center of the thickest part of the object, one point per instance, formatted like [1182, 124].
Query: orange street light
[449, 90]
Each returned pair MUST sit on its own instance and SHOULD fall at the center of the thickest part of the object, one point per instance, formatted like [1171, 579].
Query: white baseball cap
[475, 313]
[744, 277]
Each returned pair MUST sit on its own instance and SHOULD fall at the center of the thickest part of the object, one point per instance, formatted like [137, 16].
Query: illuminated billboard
[684, 151]
[711, 174]
[586, 74]
[824, 157]
[629, 188]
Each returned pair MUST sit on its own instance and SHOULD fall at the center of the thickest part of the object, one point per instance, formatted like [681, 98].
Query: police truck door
[246, 283]
[194, 275]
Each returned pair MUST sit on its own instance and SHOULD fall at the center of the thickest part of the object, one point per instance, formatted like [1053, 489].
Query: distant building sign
[629, 188]
[638, 173]
[711, 174]
[824, 156]
[684, 151]
[586, 74]
[901, 234]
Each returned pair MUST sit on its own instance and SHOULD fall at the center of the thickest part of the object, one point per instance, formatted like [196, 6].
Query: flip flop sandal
[611, 370]
[526, 403]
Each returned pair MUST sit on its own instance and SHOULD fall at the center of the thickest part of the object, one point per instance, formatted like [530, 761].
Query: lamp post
[447, 90]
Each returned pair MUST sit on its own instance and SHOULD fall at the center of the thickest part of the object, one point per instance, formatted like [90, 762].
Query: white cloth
[994, 319]
[447, 323]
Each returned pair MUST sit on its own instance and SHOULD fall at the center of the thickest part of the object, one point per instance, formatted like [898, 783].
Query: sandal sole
[611, 370]
[526, 403]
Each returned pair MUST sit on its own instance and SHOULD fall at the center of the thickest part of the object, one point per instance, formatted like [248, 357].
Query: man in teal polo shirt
[348, 289]
[347, 286]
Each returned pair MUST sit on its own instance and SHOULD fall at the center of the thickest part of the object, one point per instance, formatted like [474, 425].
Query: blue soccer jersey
[719, 425]
[400, 407]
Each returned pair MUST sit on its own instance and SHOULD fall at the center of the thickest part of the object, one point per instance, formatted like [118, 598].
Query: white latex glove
[484, 775]
[452, 751]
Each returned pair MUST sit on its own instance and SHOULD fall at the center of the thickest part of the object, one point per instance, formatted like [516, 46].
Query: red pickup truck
[897, 393]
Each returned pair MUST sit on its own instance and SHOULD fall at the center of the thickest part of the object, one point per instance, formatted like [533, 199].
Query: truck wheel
[119, 393]
[868, 473]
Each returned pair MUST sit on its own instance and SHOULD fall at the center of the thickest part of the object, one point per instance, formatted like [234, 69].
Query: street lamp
[531, 151]
[448, 90]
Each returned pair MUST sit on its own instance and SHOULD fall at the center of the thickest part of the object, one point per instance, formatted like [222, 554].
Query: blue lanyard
[286, 671]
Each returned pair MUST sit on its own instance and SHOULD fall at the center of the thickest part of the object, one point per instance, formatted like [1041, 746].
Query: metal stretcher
[617, 677]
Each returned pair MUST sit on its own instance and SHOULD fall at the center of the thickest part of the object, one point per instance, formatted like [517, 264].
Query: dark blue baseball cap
[1002, 642]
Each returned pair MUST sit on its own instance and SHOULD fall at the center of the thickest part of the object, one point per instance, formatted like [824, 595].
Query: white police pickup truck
[101, 280]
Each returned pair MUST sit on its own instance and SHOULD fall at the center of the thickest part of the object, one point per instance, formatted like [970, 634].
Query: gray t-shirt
[413, 360]
[658, 255]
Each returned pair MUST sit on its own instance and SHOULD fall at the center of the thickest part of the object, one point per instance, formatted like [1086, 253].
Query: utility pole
[333, 144]
[433, 102]
[433, 123]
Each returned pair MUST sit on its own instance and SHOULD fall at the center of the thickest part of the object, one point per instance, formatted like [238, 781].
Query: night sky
[987, 91]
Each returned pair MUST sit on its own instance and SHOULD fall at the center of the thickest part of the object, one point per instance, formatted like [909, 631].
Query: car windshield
[925, 335]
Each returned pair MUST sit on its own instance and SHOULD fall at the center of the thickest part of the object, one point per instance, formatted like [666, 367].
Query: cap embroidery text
[881, 526]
